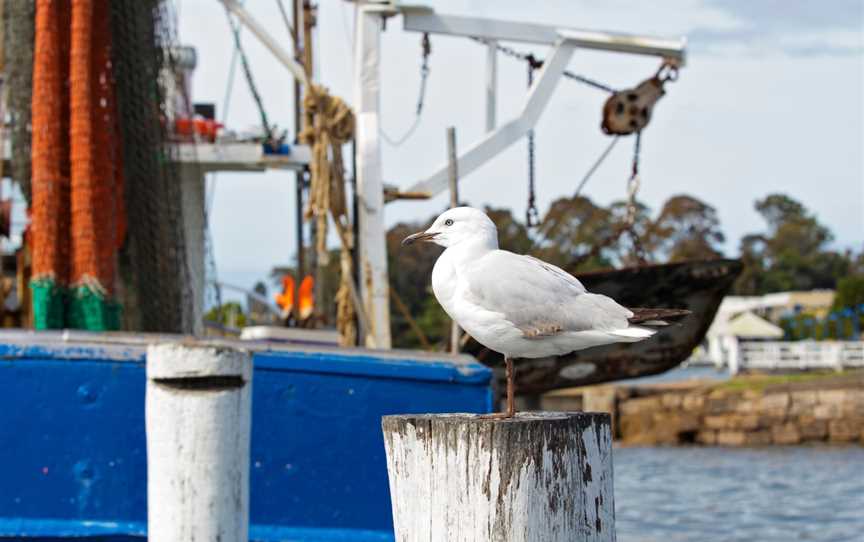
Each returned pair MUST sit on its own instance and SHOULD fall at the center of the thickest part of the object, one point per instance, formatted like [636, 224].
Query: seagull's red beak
[420, 236]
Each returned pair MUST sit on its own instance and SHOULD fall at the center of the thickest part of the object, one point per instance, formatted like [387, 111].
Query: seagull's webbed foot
[496, 416]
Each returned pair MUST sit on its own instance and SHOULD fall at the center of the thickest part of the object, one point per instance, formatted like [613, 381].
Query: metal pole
[198, 416]
[308, 25]
[491, 84]
[355, 233]
[193, 204]
[452, 167]
[299, 175]
[269, 42]
[453, 170]
[309, 22]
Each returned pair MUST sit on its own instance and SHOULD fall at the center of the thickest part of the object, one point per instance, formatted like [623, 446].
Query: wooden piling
[541, 476]
[198, 418]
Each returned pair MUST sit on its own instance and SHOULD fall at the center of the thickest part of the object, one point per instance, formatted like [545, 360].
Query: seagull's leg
[511, 407]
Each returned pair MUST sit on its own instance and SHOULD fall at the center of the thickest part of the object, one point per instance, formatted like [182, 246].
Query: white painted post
[374, 282]
[835, 350]
[198, 419]
[541, 476]
[192, 201]
[734, 354]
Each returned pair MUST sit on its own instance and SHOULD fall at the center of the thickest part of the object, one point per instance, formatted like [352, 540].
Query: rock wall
[742, 412]
[730, 417]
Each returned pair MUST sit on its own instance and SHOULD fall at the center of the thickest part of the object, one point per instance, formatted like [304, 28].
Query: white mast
[374, 282]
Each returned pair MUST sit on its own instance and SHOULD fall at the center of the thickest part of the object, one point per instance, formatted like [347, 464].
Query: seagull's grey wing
[539, 298]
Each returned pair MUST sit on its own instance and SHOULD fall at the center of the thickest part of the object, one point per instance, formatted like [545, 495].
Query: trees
[850, 293]
[580, 236]
[512, 234]
[751, 280]
[410, 268]
[228, 314]
[792, 254]
[686, 229]
[571, 229]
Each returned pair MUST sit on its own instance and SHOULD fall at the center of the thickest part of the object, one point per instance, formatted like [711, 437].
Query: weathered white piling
[198, 419]
[541, 476]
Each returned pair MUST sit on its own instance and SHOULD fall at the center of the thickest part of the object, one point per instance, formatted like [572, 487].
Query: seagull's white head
[457, 226]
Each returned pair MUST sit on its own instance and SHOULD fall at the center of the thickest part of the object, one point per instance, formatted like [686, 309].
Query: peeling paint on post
[198, 420]
[541, 476]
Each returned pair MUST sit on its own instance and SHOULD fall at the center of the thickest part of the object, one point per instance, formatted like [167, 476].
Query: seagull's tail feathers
[632, 334]
[657, 317]
[643, 322]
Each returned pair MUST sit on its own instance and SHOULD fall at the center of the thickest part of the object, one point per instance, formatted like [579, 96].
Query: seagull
[518, 305]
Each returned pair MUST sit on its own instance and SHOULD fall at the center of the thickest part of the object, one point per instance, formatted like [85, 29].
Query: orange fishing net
[93, 156]
[50, 151]
[77, 181]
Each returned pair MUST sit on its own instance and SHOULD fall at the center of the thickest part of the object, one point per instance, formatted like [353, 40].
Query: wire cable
[596, 165]
[247, 71]
[421, 98]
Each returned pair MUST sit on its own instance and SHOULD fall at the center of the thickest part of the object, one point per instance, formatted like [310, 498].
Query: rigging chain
[426, 47]
[632, 209]
[532, 215]
[538, 63]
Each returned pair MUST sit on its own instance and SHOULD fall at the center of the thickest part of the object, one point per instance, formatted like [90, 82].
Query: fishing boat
[72, 403]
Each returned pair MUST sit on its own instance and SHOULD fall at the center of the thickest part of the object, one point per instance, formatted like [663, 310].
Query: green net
[49, 304]
[92, 311]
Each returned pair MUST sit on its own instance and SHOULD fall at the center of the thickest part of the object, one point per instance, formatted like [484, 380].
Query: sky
[771, 100]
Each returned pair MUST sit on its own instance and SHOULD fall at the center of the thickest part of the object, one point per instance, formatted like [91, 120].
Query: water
[724, 494]
[679, 374]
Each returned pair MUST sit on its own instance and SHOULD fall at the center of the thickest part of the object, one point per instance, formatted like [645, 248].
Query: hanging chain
[632, 208]
[424, 71]
[538, 63]
[426, 48]
[532, 215]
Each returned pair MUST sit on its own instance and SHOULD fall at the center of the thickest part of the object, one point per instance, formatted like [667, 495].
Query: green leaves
[792, 254]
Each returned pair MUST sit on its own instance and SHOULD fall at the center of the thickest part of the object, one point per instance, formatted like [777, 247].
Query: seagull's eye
[448, 222]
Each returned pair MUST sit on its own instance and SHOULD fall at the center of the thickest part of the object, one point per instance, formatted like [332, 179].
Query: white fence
[798, 355]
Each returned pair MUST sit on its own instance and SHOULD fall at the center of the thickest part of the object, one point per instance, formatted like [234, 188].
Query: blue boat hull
[73, 453]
